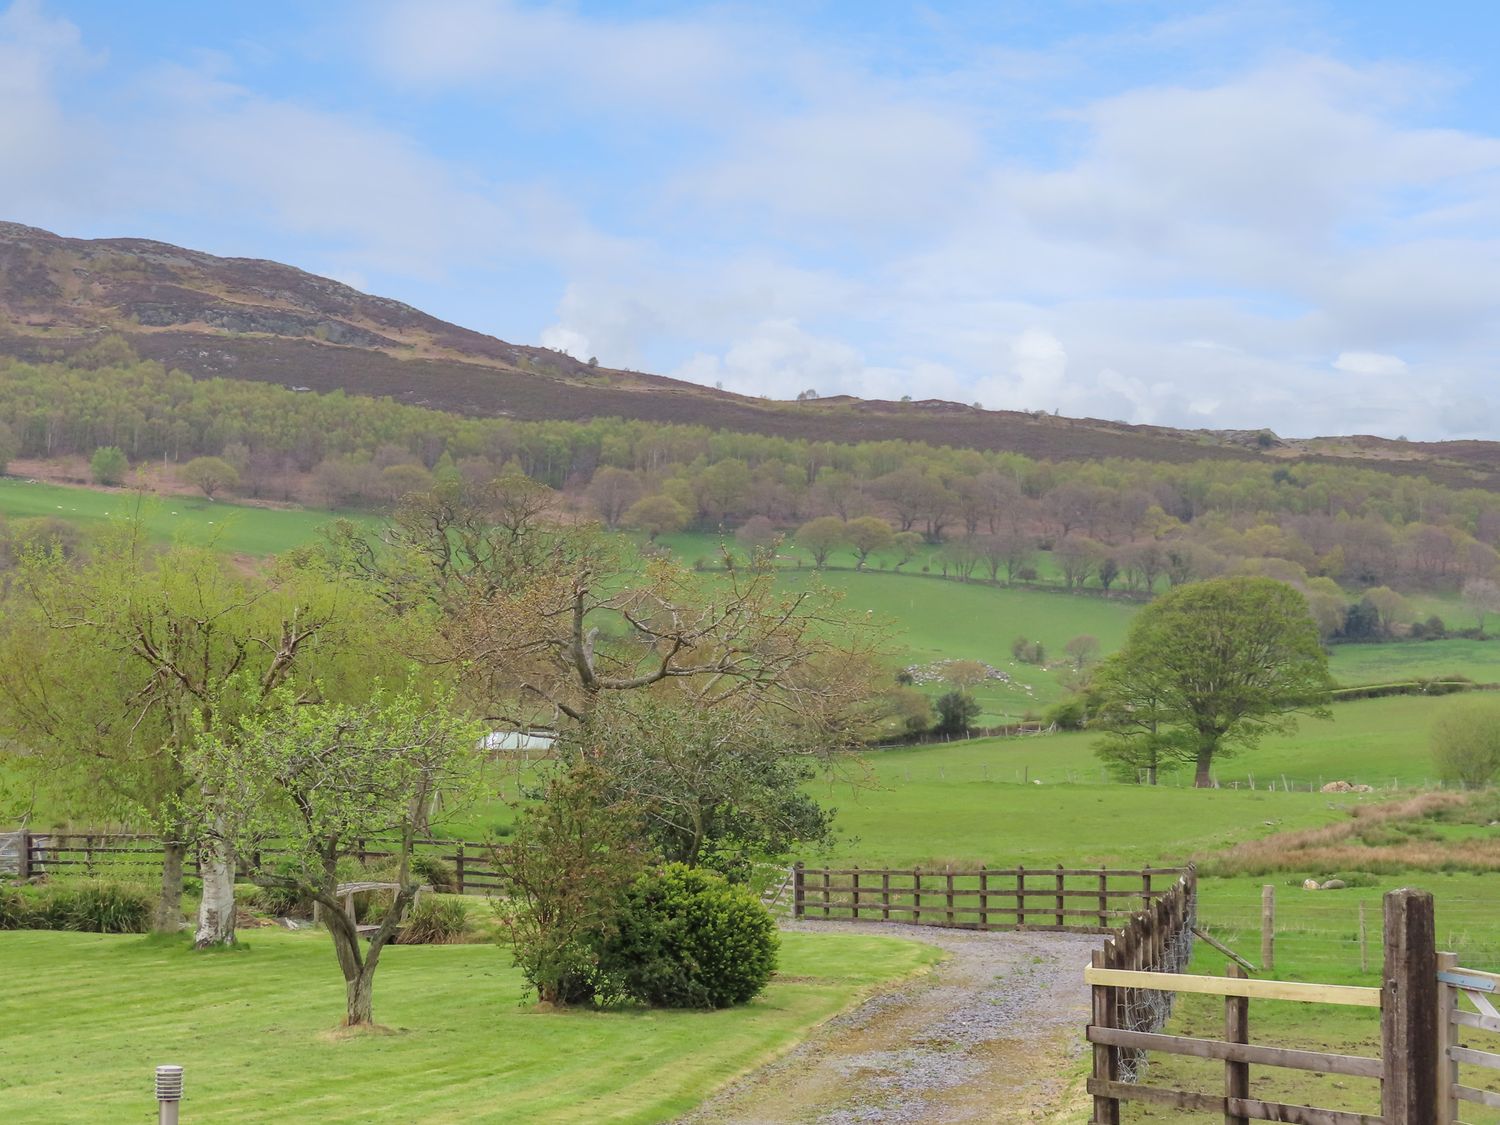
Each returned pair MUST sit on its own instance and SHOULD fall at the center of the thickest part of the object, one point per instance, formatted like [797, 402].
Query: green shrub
[1068, 714]
[435, 872]
[436, 921]
[95, 908]
[686, 938]
[15, 909]
[1466, 742]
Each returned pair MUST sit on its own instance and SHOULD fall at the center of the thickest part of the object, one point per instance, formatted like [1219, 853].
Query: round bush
[687, 938]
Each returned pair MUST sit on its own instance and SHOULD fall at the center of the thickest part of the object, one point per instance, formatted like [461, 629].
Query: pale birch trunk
[216, 911]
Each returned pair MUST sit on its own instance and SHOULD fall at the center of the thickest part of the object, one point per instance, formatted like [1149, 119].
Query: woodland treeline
[1114, 524]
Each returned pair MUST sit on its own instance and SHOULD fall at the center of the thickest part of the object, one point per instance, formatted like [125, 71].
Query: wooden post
[984, 898]
[949, 871]
[23, 867]
[1020, 897]
[1268, 929]
[799, 890]
[1106, 1059]
[88, 856]
[1409, 1010]
[1103, 899]
[885, 896]
[827, 894]
[1145, 888]
[1061, 898]
[916, 894]
[1364, 941]
[1447, 1076]
[458, 867]
[1236, 1030]
[855, 887]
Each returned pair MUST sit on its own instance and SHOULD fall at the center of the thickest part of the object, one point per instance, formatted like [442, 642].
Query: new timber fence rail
[1421, 1009]
[1091, 900]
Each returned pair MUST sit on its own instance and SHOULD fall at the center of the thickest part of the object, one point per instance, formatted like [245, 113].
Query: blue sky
[1227, 215]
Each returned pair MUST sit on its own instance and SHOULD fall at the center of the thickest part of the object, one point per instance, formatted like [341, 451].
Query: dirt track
[991, 1034]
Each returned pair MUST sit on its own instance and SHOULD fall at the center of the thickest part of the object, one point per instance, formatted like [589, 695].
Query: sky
[1239, 215]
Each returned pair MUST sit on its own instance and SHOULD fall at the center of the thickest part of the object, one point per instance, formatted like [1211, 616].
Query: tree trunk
[168, 916]
[360, 999]
[1202, 780]
[216, 911]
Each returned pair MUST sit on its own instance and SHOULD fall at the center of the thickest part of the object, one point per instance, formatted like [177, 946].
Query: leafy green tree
[572, 857]
[211, 474]
[1223, 662]
[318, 778]
[821, 537]
[656, 515]
[720, 786]
[9, 446]
[110, 668]
[869, 535]
[956, 711]
[108, 465]
[1466, 742]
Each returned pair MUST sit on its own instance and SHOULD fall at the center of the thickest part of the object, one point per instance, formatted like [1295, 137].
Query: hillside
[251, 319]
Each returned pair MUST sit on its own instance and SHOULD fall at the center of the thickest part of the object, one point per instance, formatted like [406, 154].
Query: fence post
[1267, 929]
[1364, 941]
[1106, 1059]
[458, 867]
[1409, 1010]
[24, 865]
[1447, 1076]
[799, 891]
[1020, 897]
[984, 898]
[1145, 888]
[1236, 1030]
[854, 885]
[916, 895]
[827, 893]
[949, 871]
[1104, 899]
[1061, 898]
[885, 896]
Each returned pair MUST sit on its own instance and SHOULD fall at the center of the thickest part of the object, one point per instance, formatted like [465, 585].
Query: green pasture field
[1416, 660]
[238, 529]
[251, 1031]
[1318, 939]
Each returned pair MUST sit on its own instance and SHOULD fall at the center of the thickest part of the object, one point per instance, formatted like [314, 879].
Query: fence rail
[1481, 990]
[1413, 1092]
[133, 854]
[1069, 899]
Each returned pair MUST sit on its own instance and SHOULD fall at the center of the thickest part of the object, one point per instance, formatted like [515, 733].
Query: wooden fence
[133, 855]
[1420, 1021]
[1094, 900]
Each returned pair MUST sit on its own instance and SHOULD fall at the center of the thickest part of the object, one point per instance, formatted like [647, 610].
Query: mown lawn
[86, 1019]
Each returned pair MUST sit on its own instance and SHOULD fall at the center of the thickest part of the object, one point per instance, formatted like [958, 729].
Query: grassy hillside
[239, 529]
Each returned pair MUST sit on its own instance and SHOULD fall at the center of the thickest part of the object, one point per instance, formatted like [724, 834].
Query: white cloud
[672, 65]
[1370, 363]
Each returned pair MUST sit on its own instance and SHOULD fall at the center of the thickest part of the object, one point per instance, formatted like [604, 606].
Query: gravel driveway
[991, 1034]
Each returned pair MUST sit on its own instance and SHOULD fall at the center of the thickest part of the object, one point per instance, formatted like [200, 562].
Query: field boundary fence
[129, 855]
[1426, 1073]
[1092, 900]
